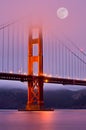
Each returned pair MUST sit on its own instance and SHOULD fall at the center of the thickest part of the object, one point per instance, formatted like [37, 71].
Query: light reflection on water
[53, 120]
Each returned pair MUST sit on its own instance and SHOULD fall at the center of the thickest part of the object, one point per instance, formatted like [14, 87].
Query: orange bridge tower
[35, 87]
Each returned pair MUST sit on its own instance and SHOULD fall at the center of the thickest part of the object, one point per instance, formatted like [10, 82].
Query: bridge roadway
[46, 79]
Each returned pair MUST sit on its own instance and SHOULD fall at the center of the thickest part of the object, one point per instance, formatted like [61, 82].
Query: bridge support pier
[35, 95]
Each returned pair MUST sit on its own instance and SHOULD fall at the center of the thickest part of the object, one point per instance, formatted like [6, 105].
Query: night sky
[45, 11]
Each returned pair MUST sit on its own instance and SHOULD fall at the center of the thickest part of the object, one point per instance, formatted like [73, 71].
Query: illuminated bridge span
[37, 59]
[46, 79]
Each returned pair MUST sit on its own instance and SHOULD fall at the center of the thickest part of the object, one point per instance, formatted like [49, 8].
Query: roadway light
[46, 80]
[11, 71]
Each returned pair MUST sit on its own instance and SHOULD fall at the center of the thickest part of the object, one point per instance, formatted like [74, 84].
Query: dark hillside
[65, 99]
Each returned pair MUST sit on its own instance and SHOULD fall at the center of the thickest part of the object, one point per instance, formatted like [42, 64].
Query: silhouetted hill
[65, 99]
[13, 98]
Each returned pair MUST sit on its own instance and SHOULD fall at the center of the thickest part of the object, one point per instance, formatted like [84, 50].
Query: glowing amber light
[45, 74]
[46, 80]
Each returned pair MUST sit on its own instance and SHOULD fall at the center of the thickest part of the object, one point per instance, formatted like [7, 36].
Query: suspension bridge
[30, 55]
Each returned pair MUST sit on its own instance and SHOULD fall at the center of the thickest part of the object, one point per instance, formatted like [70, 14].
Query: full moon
[62, 13]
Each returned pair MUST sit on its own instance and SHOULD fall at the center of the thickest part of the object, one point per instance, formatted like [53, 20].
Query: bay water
[43, 120]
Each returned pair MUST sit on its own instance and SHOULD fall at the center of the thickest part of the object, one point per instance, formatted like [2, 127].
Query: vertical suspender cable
[44, 53]
[73, 65]
[70, 63]
[17, 50]
[79, 69]
[54, 70]
[3, 52]
[78, 73]
[52, 62]
[50, 57]
[45, 42]
[60, 56]
[62, 62]
[56, 58]
[83, 68]
[47, 56]
[22, 50]
[59, 60]
[20, 55]
[8, 52]
[13, 49]
[65, 61]
[56, 51]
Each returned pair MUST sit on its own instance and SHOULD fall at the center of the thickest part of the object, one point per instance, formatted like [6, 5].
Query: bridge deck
[46, 79]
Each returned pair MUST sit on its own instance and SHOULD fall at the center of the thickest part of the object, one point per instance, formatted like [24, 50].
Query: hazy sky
[45, 11]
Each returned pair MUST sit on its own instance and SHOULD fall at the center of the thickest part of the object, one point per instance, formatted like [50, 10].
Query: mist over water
[47, 120]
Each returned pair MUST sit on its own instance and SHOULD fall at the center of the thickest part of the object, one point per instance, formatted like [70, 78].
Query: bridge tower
[35, 87]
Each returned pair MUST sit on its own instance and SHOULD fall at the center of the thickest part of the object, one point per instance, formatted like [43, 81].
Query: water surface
[53, 120]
